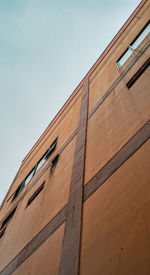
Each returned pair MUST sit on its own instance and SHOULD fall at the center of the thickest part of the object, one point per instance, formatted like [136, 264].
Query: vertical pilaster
[69, 264]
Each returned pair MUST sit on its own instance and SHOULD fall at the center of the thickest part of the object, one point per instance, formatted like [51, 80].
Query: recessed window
[132, 47]
[39, 164]
[35, 169]
[51, 149]
[123, 58]
[53, 163]
[2, 232]
[18, 190]
[138, 74]
[55, 160]
[37, 192]
[41, 161]
[29, 177]
[46, 155]
[9, 217]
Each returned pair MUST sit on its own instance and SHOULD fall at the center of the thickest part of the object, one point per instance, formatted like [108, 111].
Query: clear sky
[46, 48]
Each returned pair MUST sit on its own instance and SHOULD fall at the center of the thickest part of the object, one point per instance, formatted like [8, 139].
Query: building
[80, 201]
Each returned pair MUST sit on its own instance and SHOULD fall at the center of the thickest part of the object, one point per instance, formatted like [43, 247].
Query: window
[51, 149]
[18, 190]
[46, 155]
[2, 232]
[35, 169]
[132, 47]
[37, 192]
[9, 217]
[29, 177]
[138, 74]
[54, 162]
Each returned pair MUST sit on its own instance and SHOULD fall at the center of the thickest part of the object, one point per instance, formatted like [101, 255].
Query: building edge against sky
[77, 197]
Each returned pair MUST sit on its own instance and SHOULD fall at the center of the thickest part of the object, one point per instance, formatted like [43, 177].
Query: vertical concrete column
[69, 264]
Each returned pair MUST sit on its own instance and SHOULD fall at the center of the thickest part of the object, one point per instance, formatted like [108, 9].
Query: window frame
[131, 47]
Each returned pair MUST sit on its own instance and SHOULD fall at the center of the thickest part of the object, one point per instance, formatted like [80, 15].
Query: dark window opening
[8, 218]
[138, 74]
[53, 163]
[36, 193]
[55, 160]
[2, 232]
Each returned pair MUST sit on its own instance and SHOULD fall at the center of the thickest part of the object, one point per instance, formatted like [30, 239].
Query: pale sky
[46, 48]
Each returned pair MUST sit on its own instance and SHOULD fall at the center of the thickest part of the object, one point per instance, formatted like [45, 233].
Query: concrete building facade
[80, 201]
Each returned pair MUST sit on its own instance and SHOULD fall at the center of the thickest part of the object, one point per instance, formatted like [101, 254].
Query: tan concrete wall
[116, 224]
[45, 260]
[119, 117]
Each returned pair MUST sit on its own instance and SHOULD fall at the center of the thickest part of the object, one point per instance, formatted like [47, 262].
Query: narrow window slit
[55, 160]
[53, 163]
[2, 232]
[8, 218]
[138, 74]
[37, 192]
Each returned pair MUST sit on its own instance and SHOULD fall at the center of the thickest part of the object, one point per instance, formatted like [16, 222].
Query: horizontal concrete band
[118, 160]
[39, 176]
[113, 86]
[111, 166]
